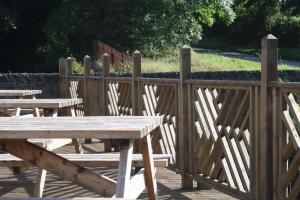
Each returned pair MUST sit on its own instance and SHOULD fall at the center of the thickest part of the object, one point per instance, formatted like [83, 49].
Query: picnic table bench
[14, 132]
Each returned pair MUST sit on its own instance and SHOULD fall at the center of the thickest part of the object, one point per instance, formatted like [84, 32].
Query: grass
[204, 62]
[286, 53]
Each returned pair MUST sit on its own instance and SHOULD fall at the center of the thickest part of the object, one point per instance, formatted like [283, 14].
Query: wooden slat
[92, 160]
[40, 103]
[19, 93]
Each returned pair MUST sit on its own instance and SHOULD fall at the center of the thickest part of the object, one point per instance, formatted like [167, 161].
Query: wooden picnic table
[14, 131]
[50, 144]
[35, 104]
[19, 93]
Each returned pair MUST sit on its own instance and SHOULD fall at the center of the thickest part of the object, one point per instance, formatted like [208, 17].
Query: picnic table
[14, 132]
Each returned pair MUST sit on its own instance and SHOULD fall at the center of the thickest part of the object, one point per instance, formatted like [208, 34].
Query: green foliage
[154, 27]
[77, 66]
[287, 28]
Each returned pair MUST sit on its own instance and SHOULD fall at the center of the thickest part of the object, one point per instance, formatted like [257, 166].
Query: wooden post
[269, 56]
[62, 77]
[135, 90]
[69, 71]
[184, 131]
[105, 68]
[87, 70]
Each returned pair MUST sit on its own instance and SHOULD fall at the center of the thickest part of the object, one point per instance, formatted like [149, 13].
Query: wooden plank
[78, 127]
[124, 171]
[60, 166]
[40, 103]
[19, 93]
[150, 178]
[92, 160]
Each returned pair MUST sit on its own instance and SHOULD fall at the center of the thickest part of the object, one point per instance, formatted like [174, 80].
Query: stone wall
[48, 83]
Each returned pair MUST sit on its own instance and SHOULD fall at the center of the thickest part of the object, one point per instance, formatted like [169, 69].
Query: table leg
[40, 183]
[62, 167]
[150, 179]
[36, 112]
[123, 181]
[76, 142]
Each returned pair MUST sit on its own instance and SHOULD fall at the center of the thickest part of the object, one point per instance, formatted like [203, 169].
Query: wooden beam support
[150, 178]
[124, 170]
[49, 161]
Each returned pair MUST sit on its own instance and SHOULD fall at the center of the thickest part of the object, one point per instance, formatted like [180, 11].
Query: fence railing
[239, 137]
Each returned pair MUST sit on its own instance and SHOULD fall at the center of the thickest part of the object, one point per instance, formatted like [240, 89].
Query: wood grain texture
[19, 93]
[40, 103]
[78, 127]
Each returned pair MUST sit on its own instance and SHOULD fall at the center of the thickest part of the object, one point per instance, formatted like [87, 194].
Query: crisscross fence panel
[119, 97]
[286, 97]
[160, 98]
[222, 135]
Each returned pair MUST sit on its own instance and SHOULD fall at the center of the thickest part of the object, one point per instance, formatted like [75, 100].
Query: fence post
[269, 57]
[135, 89]
[105, 67]
[87, 61]
[62, 77]
[69, 71]
[184, 129]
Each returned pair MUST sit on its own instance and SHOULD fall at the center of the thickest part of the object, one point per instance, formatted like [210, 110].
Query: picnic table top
[40, 103]
[101, 127]
[19, 93]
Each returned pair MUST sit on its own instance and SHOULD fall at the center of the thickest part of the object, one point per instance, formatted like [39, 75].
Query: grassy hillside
[204, 62]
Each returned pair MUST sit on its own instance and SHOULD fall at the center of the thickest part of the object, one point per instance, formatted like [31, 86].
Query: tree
[150, 26]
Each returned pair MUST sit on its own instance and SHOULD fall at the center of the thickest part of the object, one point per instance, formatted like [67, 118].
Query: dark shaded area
[21, 23]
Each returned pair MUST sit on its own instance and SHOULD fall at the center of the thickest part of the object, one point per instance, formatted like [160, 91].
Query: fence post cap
[105, 54]
[186, 46]
[269, 37]
[269, 41]
[87, 56]
[69, 58]
[136, 52]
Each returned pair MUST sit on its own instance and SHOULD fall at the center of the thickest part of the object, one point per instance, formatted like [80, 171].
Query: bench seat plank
[40, 103]
[92, 160]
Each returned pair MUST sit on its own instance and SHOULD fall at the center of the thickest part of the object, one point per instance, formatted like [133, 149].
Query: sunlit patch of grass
[205, 62]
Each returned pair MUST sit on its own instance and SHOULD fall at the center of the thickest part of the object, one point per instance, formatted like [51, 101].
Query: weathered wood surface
[92, 160]
[19, 93]
[78, 127]
[40, 103]
[21, 185]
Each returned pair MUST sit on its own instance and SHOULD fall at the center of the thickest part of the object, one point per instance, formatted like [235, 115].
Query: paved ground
[22, 185]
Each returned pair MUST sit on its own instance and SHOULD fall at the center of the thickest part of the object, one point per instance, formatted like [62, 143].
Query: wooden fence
[116, 58]
[239, 137]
